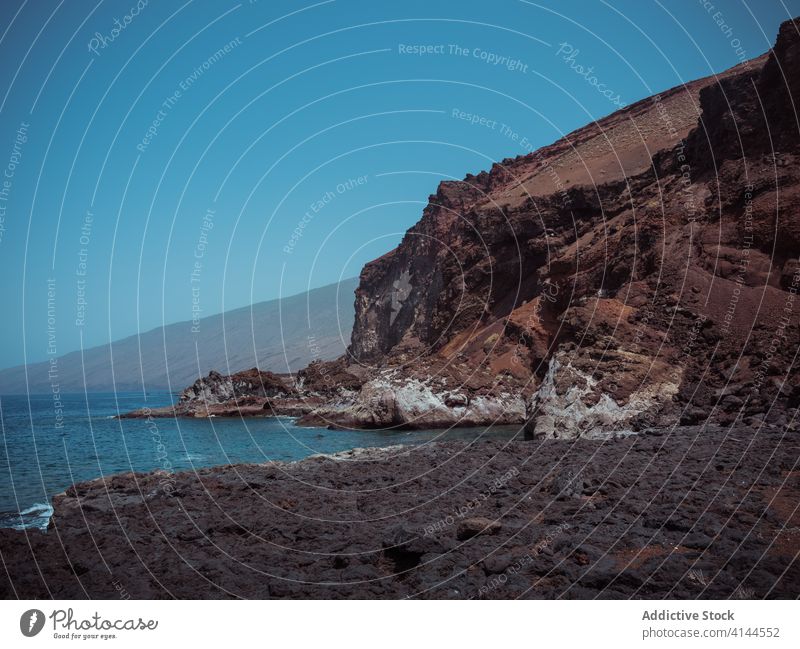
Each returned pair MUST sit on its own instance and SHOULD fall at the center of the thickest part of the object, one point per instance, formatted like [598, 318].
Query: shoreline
[367, 452]
[646, 515]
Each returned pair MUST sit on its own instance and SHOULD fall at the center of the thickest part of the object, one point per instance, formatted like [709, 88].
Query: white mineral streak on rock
[401, 289]
[568, 415]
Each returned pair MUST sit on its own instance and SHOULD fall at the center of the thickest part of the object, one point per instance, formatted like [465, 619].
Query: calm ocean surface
[39, 459]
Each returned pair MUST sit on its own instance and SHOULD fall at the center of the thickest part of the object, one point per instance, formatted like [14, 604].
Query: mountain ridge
[229, 348]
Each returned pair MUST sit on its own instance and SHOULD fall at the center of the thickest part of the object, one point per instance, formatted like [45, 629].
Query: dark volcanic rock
[663, 522]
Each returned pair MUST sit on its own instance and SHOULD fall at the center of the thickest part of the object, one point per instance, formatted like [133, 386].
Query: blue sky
[198, 135]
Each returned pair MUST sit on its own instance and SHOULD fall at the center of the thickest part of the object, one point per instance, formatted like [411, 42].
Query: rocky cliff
[642, 271]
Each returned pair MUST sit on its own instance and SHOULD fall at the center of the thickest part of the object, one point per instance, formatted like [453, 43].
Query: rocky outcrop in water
[250, 393]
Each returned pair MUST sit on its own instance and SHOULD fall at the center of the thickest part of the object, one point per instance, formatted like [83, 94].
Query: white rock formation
[579, 411]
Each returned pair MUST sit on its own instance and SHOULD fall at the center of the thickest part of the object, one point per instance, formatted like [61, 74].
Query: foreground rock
[677, 514]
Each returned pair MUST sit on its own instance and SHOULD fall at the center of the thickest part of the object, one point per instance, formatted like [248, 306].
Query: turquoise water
[42, 451]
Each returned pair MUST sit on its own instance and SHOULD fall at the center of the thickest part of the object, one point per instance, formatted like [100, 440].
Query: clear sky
[197, 136]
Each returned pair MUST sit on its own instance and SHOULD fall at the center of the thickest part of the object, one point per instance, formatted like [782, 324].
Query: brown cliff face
[641, 271]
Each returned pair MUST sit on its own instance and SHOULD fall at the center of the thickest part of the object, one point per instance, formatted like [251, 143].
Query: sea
[45, 449]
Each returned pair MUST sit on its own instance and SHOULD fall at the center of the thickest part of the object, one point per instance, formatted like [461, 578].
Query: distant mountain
[278, 335]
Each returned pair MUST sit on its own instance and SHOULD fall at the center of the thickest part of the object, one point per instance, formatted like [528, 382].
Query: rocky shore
[683, 513]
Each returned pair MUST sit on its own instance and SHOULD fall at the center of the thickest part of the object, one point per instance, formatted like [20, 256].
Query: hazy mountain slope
[316, 325]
